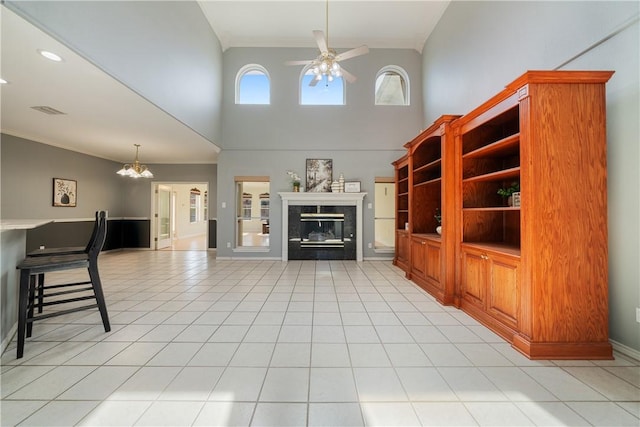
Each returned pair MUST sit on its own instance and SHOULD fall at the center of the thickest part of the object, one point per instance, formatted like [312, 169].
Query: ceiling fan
[328, 62]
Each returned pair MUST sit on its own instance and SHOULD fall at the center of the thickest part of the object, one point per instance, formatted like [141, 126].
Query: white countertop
[22, 224]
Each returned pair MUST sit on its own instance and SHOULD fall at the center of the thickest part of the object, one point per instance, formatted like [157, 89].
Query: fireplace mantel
[323, 199]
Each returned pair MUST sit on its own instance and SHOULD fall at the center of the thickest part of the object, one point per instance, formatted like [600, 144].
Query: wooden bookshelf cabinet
[537, 274]
[403, 245]
[431, 161]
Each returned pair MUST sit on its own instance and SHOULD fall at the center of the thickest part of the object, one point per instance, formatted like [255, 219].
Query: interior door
[163, 216]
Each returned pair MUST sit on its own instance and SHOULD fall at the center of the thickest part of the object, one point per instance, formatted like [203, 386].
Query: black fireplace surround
[322, 232]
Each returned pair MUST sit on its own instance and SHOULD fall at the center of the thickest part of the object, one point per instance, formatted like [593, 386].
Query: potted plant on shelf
[508, 192]
[438, 217]
[295, 180]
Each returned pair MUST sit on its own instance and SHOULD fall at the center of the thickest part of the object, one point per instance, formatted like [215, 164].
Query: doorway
[180, 216]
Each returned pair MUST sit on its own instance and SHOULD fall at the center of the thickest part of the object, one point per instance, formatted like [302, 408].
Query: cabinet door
[503, 288]
[403, 248]
[473, 278]
[433, 267]
[418, 258]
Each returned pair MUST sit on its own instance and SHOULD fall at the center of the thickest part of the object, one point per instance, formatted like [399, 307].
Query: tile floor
[200, 341]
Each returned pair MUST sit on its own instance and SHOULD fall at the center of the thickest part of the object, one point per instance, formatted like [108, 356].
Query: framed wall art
[319, 175]
[65, 192]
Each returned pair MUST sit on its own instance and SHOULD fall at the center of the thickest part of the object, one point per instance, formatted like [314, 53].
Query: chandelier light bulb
[135, 169]
[324, 67]
[335, 66]
[330, 77]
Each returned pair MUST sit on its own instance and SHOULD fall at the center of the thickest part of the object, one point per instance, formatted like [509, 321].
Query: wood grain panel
[571, 199]
[503, 293]
[473, 277]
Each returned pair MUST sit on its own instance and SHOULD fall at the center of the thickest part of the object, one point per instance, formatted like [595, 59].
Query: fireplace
[321, 225]
[322, 232]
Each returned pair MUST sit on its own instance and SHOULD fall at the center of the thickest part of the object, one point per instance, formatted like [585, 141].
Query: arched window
[392, 86]
[323, 92]
[253, 85]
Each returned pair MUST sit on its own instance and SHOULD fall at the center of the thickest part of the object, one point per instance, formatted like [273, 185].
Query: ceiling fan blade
[321, 41]
[305, 62]
[352, 53]
[314, 82]
[347, 75]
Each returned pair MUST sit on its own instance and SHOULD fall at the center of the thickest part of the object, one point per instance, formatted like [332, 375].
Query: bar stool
[67, 250]
[35, 266]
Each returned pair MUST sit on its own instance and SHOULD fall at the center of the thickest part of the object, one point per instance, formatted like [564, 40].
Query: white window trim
[244, 70]
[398, 70]
[344, 91]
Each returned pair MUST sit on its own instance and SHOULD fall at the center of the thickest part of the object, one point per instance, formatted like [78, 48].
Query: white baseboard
[625, 350]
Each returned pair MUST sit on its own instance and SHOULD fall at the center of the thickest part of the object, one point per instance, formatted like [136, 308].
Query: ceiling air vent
[47, 110]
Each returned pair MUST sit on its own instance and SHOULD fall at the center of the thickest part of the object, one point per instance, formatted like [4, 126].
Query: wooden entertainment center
[535, 273]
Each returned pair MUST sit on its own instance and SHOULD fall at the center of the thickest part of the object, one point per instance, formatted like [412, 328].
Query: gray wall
[361, 138]
[145, 45]
[286, 125]
[361, 166]
[28, 169]
[479, 47]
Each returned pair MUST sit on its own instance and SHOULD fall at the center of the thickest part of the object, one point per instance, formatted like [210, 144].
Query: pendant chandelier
[135, 169]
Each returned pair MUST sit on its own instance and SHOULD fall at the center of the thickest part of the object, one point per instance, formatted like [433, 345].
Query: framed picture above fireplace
[319, 175]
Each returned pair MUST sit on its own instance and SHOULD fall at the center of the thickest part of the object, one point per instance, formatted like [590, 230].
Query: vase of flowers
[295, 181]
[438, 217]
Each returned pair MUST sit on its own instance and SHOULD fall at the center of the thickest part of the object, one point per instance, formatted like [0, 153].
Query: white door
[163, 216]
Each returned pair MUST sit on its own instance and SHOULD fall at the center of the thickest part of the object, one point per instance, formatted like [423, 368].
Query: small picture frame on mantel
[352, 187]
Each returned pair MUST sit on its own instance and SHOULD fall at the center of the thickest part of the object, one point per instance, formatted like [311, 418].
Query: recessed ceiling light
[3, 82]
[50, 55]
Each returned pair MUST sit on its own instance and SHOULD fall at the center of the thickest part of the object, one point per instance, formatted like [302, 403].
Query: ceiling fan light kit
[327, 63]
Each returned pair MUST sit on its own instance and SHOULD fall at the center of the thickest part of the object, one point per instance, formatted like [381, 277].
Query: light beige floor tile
[335, 414]
[223, 414]
[551, 414]
[389, 414]
[192, 383]
[378, 385]
[52, 383]
[440, 414]
[332, 385]
[253, 354]
[425, 384]
[241, 384]
[170, 414]
[604, 414]
[606, 383]
[115, 413]
[285, 385]
[295, 355]
[60, 413]
[280, 414]
[498, 414]
[14, 411]
[146, 384]
[470, 385]
[368, 355]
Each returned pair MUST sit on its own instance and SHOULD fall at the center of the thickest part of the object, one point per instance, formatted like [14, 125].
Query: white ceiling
[377, 23]
[104, 118]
